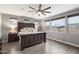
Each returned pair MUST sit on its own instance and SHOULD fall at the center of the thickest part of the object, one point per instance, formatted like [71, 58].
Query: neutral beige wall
[64, 14]
[6, 24]
[0, 25]
[69, 38]
[41, 25]
[61, 15]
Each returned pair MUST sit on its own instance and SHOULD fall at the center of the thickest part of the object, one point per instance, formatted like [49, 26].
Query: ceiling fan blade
[46, 11]
[46, 8]
[32, 8]
[43, 13]
[40, 6]
[38, 14]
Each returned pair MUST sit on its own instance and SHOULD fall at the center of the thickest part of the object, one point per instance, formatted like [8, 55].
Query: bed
[28, 39]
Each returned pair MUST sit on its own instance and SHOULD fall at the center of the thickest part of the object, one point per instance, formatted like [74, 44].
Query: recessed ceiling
[16, 9]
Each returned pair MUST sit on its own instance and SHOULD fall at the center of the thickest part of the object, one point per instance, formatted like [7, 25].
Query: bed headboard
[21, 25]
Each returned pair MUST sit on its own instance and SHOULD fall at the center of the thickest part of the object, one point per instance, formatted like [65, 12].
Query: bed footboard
[32, 39]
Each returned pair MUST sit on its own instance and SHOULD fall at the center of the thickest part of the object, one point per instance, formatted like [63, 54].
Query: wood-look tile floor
[50, 47]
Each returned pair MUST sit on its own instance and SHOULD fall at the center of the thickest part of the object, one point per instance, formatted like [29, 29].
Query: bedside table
[12, 37]
[0, 46]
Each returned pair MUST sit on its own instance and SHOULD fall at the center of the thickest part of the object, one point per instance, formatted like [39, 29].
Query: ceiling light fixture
[39, 11]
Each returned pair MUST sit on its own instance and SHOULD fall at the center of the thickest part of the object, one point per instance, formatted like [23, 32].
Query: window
[58, 25]
[73, 24]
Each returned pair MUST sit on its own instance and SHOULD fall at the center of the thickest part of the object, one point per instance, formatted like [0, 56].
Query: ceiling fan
[40, 11]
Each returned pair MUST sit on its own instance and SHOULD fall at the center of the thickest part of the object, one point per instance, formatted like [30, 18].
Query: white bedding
[26, 33]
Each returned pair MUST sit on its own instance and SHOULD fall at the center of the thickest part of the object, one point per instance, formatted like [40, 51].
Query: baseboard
[75, 45]
[56, 39]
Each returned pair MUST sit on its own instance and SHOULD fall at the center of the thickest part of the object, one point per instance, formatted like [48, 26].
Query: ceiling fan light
[39, 13]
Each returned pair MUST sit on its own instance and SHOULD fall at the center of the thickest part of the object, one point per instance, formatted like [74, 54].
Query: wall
[63, 14]
[6, 26]
[0, 25]
[68, 38]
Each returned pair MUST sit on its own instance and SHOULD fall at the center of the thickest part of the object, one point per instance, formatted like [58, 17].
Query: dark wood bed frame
[21, 25]
[30, 39]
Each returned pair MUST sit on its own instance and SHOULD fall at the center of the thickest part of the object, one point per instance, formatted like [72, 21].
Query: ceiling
[16, 9]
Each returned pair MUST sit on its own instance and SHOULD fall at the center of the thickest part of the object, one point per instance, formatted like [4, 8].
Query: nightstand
[0, 46]
[12, 37]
